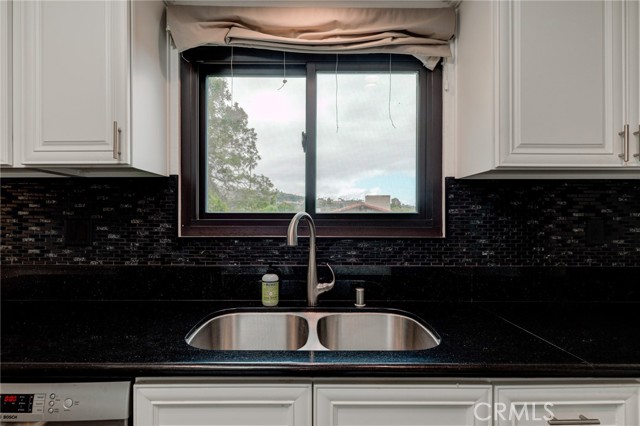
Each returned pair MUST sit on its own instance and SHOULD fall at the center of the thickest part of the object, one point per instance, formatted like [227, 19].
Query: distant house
[371, 204]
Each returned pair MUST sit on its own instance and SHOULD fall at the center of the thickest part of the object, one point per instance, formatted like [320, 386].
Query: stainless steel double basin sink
[312, 330]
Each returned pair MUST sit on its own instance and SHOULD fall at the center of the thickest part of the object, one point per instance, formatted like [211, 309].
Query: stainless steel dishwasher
[58, 404]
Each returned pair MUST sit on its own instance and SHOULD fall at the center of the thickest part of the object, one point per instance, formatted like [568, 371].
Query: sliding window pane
[255, 161]
[367, 142]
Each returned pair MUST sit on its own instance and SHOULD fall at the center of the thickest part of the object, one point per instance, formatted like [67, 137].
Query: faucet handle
[322, 287]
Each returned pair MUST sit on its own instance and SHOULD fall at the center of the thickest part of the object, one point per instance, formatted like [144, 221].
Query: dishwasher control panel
[42, 402]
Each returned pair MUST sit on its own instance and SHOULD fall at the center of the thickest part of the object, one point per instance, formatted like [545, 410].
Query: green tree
[396, 204]
[232, 155]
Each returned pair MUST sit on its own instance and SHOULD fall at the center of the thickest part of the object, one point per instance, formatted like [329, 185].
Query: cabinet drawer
[576, 404]
[222, 404]
[407, 405]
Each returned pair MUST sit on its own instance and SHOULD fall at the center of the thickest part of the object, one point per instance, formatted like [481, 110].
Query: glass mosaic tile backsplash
[126, 221]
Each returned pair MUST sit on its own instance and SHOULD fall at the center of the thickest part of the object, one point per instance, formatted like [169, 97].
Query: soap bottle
[270, 287]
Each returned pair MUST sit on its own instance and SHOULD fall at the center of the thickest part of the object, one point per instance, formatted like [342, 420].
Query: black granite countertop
[65, 336]
[129, 338]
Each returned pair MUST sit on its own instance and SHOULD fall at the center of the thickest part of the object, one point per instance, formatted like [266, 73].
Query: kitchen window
[354, 140]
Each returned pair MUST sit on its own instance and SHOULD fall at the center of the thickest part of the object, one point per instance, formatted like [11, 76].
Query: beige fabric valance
[423, 33]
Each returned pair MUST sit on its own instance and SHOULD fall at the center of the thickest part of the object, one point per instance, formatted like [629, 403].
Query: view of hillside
[292, 202]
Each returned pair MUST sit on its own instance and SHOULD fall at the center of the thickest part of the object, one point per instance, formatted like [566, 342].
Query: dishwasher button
[51, 403]
[50, 410]
[52, 396]
[68, 403]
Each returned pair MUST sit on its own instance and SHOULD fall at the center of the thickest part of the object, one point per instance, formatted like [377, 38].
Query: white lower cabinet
[606, 405]
[384, 402]
[162, 403]
[411, 404]
[228, 404]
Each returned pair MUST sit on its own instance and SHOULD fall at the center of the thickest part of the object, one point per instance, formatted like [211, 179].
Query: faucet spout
[313, 287]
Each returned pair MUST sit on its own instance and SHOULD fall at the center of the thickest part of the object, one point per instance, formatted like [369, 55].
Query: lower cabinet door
[401, 405]
[222, 404]
[614, 405]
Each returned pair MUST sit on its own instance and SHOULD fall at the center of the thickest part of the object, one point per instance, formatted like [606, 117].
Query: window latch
[304, 142]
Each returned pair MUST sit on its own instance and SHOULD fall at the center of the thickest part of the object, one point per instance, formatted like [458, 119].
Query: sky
[359, 149]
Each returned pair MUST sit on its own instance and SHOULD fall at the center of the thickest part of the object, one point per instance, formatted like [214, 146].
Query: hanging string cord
[337, 127]
[284, 70]
[390, 117]
[231, 75]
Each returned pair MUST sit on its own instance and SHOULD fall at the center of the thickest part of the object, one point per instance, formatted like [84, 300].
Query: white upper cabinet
[317, 3]
[74, 60]
[79, 97]
[6, 137]
[547, 85]
[561, 83]
[632, 52]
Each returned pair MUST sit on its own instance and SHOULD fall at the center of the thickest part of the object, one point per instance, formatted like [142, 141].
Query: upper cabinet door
[73, 87]
[544, 88]
[633, 76]
[561, 72]
[6, 137]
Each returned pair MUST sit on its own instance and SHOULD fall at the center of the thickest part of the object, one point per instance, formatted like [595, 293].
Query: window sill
[208, 228]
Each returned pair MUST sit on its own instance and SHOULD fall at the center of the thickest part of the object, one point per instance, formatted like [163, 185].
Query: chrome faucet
[313, 287]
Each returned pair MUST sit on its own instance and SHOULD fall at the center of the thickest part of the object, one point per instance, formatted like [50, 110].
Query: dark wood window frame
[195, 222]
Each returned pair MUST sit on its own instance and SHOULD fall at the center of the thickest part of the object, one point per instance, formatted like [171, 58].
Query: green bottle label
[269, 293]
